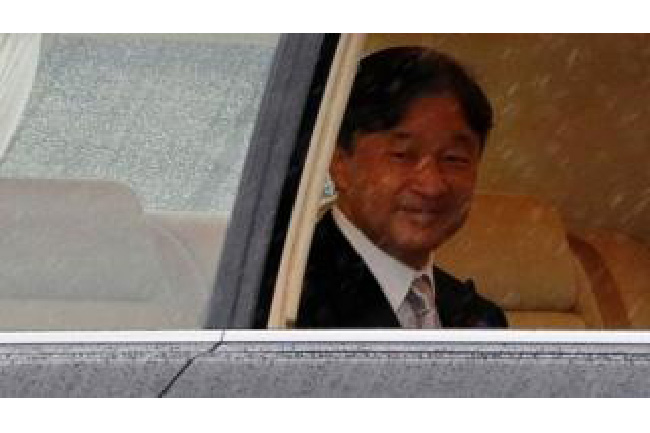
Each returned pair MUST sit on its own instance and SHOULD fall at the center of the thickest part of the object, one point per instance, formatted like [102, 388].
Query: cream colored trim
[18, 62]
[284, 308]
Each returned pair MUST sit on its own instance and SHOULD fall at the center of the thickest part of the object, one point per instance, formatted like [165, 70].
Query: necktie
[422, 300]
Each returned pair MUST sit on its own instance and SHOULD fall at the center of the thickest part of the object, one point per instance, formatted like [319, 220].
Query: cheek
[465, 193]
[461, 206]
[380, 186]
[463, 186]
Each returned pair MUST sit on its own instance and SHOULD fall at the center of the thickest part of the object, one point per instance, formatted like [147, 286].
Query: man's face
[409, 188]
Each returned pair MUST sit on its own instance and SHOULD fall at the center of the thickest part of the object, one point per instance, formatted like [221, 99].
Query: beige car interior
[518, 251]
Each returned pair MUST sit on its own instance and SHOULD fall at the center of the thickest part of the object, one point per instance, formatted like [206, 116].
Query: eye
[401, 148]
[403, 156]
[457, 158]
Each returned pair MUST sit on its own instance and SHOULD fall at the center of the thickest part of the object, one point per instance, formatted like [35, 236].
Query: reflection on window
[118, 182]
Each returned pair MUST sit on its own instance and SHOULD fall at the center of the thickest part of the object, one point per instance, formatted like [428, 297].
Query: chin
[419, 244]
[424, 238]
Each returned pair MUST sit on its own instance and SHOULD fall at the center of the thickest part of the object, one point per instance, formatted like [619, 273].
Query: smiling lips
[424, 215]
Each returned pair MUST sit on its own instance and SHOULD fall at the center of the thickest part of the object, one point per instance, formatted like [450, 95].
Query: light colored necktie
[422, 300]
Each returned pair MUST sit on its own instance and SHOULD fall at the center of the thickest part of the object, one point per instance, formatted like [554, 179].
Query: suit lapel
[362, 301]
[351, 292]
[459, 306]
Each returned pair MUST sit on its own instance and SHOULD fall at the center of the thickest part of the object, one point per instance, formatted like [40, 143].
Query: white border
[329, 336]
[334, 15]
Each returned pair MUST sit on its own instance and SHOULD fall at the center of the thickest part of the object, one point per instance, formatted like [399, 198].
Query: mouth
[423, 216]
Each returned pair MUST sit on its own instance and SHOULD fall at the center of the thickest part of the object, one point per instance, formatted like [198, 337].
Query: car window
[119, 180]
[120, 177]
[556, 235]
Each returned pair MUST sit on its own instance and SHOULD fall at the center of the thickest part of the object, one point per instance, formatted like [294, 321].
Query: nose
[428, 179]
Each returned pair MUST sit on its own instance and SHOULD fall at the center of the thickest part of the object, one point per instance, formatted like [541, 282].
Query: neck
[415, 260]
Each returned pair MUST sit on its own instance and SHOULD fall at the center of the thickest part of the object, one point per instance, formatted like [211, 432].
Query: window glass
[119, 180]
[556, 235]
[170, 115]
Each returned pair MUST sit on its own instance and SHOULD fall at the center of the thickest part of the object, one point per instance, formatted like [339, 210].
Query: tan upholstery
[515, 249]
[586, 306]
[625, 267]
[544, 320]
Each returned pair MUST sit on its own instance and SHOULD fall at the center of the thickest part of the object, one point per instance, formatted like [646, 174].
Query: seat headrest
[515, 249]
[75, 239]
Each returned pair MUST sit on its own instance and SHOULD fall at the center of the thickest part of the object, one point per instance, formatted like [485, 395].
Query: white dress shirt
[393, 276]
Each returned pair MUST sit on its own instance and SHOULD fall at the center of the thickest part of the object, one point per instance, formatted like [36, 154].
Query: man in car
[405, 169]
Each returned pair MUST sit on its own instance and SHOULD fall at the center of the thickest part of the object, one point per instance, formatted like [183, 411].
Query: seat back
[81, 254]
[515, 248]
[619, 267]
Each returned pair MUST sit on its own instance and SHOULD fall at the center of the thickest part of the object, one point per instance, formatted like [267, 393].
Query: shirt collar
[393, 276]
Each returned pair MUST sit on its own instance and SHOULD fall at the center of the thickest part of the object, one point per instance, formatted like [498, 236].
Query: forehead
[434, 113]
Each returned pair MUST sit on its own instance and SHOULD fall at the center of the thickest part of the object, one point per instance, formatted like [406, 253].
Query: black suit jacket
[339, 291]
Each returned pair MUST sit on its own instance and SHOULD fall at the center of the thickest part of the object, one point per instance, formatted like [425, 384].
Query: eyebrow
[465, 134]
[399, 133]
[465, 137]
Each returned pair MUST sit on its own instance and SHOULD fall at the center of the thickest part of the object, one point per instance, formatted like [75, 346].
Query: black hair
[388, 82]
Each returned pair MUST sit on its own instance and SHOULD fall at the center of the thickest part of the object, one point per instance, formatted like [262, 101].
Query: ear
[340, 169]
